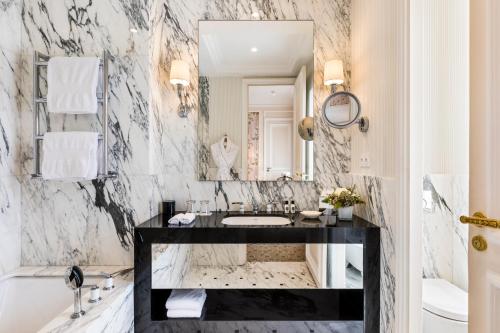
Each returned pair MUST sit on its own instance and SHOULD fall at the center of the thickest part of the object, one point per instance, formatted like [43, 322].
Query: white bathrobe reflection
[224, 153]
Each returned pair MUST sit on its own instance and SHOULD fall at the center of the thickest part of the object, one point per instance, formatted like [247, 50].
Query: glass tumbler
[191, 206]
[204, 207]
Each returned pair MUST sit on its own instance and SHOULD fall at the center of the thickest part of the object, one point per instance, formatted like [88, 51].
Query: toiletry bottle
[286, 206]
[292, 206]
[269, 207]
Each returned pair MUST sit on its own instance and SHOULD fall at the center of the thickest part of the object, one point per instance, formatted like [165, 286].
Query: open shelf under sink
[271, 305]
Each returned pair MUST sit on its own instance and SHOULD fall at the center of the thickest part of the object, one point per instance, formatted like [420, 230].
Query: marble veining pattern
[170, 264]
[445, 257]
[253, 146]
[10, 150]
[153, 151]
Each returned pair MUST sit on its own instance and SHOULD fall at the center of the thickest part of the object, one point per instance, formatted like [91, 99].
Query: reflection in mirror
[255, 88]
[341, 109]
[261, 266]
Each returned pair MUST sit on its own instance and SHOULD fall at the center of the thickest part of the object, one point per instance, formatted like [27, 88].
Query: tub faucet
[74, 280]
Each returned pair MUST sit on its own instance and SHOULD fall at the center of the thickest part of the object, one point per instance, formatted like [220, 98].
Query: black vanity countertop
[209, 229]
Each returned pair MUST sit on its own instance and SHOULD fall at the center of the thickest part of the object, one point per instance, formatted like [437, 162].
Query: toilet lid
[445, 299]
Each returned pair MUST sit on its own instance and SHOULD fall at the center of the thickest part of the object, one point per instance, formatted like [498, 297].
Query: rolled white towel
[182, 218]
[186, 299]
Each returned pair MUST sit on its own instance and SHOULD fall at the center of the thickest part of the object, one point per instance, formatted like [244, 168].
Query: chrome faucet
[74, 280]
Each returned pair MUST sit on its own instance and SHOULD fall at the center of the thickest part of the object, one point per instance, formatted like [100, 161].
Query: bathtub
[38, 300]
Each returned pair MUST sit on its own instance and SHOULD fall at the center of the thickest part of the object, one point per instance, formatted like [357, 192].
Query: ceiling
[270, 96]
[283, 47]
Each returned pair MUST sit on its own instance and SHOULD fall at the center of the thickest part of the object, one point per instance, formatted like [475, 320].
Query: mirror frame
[354, 121]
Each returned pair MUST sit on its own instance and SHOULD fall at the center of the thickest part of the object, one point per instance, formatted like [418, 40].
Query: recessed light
[254, 49]
[133, 30]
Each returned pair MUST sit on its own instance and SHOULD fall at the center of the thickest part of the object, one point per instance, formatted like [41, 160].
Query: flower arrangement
[343, 197]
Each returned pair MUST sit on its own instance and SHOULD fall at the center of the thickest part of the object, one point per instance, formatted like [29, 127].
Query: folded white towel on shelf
[182, 313]
[72, 84]
[70, 155]
[182, 218]
[186, 299]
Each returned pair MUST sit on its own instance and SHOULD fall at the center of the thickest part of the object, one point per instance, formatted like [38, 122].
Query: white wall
[442, 88]
[378, 77]
[225, 109]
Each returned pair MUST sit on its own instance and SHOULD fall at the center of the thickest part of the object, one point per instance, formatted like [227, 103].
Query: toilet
[445, 307]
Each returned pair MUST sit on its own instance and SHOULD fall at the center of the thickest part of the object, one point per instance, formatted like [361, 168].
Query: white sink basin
[256, 220]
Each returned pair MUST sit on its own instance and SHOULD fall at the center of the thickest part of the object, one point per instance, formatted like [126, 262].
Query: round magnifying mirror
[341, 109]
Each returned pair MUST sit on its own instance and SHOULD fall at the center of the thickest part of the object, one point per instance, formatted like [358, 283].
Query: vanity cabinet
[256, 305]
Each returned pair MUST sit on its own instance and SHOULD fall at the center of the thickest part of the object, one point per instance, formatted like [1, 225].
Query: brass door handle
[479, 218]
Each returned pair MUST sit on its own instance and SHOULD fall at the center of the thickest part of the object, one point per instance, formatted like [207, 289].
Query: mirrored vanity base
[257, 277]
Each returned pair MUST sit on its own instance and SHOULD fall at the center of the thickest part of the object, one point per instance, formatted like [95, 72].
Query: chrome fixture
[73, 277]
[41, 61]
[341, 109]
[179, 76]
[74, 280]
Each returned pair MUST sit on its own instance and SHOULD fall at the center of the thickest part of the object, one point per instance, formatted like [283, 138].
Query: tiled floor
[251, 275]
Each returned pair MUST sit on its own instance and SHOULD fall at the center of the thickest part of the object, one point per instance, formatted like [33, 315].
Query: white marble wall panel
[10, 148]
[219, 254]
[444, 237]
[10, 224]
[380, 195]
[170, 264]
[90, 222]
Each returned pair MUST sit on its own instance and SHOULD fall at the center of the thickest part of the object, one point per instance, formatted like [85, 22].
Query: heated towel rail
[41, 60]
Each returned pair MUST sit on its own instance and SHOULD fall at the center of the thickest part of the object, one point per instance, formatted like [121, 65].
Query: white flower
[339, 190]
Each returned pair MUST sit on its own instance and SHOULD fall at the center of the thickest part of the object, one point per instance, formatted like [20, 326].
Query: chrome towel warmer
[41, 60]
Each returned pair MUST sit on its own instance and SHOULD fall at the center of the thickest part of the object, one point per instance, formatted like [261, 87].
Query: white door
[299, 112]
[278, 147]
[484, 265]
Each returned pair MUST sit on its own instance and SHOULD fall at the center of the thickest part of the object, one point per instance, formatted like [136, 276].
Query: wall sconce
[334, 74]
[179, 76]
[341, 109]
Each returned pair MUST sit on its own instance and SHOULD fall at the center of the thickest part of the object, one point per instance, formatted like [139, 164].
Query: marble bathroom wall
[10, 148]
[152, 149]
[89, 222]
[444, 237]
[380, 195]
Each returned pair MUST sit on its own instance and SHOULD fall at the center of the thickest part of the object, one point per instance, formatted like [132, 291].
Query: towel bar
[41, 60]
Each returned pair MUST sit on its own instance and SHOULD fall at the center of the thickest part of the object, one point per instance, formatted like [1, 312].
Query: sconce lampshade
[179, 72]
[334, 72]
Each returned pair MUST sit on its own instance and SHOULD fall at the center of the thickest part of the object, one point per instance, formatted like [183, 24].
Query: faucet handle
[73, 276]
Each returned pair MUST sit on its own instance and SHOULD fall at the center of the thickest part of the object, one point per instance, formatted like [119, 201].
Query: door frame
[279, 81]
[264, 135]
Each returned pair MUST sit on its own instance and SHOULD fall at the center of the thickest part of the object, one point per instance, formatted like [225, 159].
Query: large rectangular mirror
[256, 100]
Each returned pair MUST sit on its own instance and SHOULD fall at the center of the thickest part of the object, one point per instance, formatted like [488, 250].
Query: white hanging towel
[70, 156]
[72, 84]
